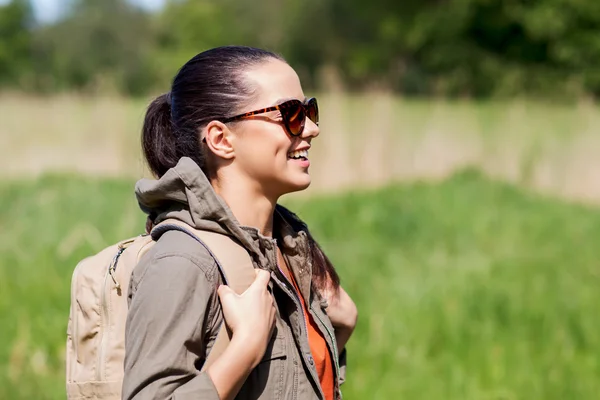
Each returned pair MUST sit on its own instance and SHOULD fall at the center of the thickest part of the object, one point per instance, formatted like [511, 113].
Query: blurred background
[456, 180]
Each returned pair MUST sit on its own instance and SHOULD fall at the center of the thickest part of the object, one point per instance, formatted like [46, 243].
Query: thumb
[225, 293]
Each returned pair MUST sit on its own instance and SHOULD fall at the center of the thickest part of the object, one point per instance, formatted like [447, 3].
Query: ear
[218, 138]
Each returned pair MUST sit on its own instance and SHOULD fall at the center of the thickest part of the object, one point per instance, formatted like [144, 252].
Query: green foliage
[467, 289]
[15, 42]
[103, 45]
[475, 48]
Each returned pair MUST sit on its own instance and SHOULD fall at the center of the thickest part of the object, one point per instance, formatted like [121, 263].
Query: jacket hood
[185, 193]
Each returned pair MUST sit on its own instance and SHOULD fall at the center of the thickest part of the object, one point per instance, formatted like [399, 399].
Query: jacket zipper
[294, 296]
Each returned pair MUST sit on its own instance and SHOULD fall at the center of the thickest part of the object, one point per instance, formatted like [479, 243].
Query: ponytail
[158, 143]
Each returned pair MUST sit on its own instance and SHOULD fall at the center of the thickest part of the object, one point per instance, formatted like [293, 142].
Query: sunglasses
[293, 112]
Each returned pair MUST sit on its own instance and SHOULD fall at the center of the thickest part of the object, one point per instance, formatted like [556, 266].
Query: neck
[249, 206]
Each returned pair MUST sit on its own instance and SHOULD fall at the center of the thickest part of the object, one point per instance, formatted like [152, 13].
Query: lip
[305, 163]
[299, 149]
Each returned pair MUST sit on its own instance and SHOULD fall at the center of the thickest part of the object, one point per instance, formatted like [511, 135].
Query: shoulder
[177, 255]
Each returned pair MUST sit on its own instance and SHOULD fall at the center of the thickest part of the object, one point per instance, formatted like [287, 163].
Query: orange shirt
[319, 350]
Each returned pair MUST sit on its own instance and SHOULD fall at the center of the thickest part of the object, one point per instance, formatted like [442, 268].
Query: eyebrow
[283, 100]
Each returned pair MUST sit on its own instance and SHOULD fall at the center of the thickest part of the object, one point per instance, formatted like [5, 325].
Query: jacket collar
[185, 193]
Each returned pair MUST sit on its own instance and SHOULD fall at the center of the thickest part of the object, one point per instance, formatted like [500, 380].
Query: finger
[262, 278]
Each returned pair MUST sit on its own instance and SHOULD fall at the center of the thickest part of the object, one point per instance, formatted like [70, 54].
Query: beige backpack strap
[234, 263]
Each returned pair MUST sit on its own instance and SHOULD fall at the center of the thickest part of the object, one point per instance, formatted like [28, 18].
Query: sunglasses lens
[313, 111]
[295, 119]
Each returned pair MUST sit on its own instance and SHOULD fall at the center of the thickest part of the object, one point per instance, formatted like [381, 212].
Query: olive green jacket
[174, 311]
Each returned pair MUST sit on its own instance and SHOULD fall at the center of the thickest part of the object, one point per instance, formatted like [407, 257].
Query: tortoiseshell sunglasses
[293, 112]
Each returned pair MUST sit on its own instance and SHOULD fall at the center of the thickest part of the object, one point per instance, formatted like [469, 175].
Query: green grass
[467, 289]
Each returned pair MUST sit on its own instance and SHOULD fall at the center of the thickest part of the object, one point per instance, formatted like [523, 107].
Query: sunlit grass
[467, 289]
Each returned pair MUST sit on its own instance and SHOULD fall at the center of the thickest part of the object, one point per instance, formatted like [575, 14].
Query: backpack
[95, 348]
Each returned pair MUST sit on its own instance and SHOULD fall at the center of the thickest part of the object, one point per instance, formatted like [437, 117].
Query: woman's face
[262, 147]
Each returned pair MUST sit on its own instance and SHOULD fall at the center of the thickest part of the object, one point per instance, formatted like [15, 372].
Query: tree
[16, 19]
[98, 44]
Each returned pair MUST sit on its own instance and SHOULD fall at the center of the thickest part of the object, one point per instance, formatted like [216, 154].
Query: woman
[226, 143]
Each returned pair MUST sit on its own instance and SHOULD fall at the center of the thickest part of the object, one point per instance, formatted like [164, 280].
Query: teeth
[298, 154]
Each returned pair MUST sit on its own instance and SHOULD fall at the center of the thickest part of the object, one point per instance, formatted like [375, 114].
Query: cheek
[264, 152]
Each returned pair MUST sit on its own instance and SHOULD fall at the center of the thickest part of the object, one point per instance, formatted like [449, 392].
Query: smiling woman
[230, 138]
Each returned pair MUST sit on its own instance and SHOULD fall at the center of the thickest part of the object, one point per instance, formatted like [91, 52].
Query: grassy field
[467, 289]
[366, 140]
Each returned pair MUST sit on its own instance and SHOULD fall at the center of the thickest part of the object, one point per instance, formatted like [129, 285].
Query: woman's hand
[251, 319]
[251, 315]
[342, 313]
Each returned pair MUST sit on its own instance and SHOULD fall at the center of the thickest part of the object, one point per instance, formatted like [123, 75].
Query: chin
[298, 185]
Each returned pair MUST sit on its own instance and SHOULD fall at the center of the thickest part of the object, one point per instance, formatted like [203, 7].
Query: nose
[311, 130]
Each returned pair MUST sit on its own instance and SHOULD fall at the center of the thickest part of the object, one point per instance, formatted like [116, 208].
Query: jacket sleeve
[164, 338]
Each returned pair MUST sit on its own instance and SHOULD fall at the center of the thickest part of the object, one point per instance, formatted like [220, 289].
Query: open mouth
[298, 155]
